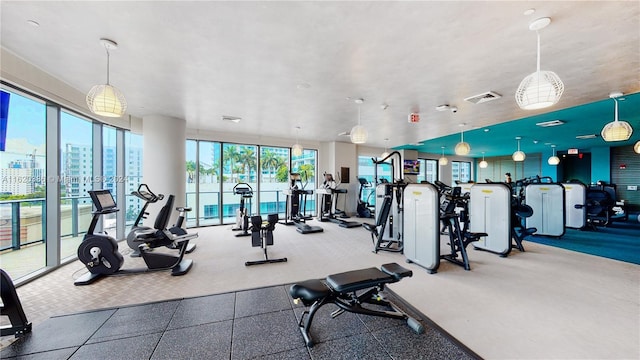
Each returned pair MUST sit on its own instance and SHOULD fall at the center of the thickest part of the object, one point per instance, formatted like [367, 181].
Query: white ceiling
[199, 60]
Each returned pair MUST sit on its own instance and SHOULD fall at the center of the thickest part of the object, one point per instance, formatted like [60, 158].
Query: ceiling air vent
[588, 136]
[234, 119]
[550, 123]
[484, 97]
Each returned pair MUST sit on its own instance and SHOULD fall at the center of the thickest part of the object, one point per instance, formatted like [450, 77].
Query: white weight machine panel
[575, 194]
[421, 225]
[547, 202]
[490, 212]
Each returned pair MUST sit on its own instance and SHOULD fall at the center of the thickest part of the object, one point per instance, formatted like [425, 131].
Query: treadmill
[328, 196]
[297, 196]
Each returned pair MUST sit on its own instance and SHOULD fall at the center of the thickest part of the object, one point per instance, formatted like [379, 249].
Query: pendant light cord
[107, 50]
[538, 59]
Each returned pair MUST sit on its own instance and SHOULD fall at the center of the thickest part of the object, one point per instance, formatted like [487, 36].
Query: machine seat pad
[309, 290]
[530, 231]
[397, 271]
[351, 281]
[475, 235]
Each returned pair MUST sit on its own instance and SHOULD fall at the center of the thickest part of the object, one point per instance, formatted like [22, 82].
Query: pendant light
[106, 100]
[553, 160]
[636, 147]
[358, 133]
[540, 89]
[386, 152]
[462, 148]
[443, 160]
[518, 155]
[616, 130]
[296, 149]
[483, 164]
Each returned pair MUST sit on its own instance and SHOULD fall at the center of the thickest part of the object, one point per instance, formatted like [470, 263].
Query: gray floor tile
[260, 301]
[202, 310]
[360, 346]
[131, 348]
[324, 327]
[48, 335]
[295, 354]
[265, 334]
[208, 341]
[136, 320]
[406, 344]
[61, 354]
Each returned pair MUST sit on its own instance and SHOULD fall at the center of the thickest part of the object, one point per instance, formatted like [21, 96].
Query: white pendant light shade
[296, 149]
[359, 134]
[616, 130]
[553, 160]
[443, 160]
[483, 164]
[462, 148]
[636, 147]
[518, 155]
[540, 89]
[106, 100]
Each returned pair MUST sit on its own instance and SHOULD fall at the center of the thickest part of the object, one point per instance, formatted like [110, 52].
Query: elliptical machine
[149, 197]
[242, 215]
[99, 252]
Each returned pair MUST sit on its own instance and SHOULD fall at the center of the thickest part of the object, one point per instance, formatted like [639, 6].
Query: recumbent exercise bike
[99, 252]
[145, 194]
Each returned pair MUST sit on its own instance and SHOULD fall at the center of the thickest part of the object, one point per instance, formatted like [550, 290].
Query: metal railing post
[15, 225]
[74, 217]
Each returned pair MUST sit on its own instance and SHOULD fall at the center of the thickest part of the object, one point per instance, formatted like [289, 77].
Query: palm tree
[191, 169]
[269, 160]
[231, 157]
[281, 163]
[248, 159]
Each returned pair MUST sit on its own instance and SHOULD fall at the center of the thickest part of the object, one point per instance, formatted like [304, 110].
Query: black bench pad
[309, 290]
[358, 279]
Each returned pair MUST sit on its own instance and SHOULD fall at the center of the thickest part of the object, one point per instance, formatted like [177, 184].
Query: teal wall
[600, 164]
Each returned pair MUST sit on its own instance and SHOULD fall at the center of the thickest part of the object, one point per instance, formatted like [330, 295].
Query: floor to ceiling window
[274, 177]
[208, 177]
[23, 183]
[428, 170]
[133, 177]
[460, 172]
[305, 164]
[76, 171]
[239, 165]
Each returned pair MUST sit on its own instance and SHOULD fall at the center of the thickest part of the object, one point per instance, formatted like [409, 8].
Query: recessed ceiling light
[487, 130]
[303, 85]
[529, 11]
[33, 23]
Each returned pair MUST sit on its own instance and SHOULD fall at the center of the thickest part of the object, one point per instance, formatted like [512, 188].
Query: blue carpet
[619, 241]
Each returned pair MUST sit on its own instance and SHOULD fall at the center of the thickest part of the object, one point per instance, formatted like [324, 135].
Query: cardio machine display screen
[102, 199]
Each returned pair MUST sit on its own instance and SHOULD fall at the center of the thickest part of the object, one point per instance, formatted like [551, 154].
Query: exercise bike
[364, 207]
[99, 252]
[145, 194]
[242, 217]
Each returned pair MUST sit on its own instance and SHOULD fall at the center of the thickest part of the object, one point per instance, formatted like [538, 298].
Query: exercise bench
[342, 290]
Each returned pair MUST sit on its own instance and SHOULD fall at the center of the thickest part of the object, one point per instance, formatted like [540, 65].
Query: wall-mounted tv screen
[412, 167]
